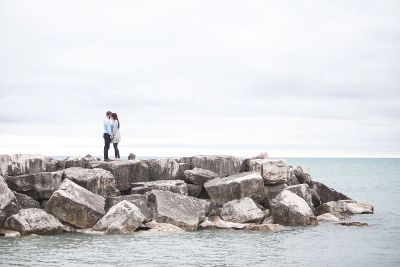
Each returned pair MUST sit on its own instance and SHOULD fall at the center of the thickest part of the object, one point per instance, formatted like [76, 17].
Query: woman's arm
[115, 127]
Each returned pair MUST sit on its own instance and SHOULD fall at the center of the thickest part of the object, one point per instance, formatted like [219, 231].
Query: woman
[116, 136]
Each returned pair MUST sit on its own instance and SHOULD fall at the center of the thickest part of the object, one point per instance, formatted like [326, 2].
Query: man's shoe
[107, 160]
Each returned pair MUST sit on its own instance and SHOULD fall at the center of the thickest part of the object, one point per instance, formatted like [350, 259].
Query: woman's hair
[115, 117]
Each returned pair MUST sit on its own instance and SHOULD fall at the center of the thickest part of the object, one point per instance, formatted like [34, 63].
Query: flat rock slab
[328, 217]
[8, 202]
[34, 221]
[326, 193]
[163, 227]
[126, 173]
[359, 224]
[199, 176]
[242, 210]
[290, 209]
[36, 185]
[76, 205]
[141, 201]
[175, 186]
[177, 209]
[247, 184]
[98, 181]
[123, 218]
[344, 208]
[222, 165]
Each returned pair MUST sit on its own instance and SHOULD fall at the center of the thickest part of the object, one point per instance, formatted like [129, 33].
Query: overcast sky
[294, 78]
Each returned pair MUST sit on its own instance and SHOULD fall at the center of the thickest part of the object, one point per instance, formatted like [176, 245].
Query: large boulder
[242, 210]
[82, 162]
[344, 208]
[141, 201]
[194, 190]
[34, 221]
[176, 186]
[326, 194]
[302, 174]
[177, 209]
[263, 155]
[303, 191]
[123, 218]
[247, 184]
[199, 176]
[126, 173]
[8, 202]
[26, 202]
[25, 164]
[220, 164]
[36, 185]
[76, 205]
[290, 209]
[291, 177]
[53, 165]
[273, 171]
[4, 162]
[98, 181]
[163, 169]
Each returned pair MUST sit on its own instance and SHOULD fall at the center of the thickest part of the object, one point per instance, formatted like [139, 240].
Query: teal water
[375, 181]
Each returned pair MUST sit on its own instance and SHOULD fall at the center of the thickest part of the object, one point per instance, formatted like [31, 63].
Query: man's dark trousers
[107, 141]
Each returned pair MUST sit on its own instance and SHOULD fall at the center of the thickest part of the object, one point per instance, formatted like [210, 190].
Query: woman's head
[114, 116]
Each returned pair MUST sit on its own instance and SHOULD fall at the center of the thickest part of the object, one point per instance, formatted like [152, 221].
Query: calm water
[375, 181]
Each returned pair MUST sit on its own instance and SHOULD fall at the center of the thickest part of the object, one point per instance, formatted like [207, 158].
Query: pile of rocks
[40, 195]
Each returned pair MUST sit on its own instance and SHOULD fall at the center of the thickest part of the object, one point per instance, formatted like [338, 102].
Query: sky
[293, 78]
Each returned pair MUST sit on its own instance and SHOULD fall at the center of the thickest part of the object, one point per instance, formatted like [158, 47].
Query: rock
[274, 172]
[302, 175]
[303, 191]
[4, 162]
[247, 184]
[126, 173]
[241, 211]
[194, 190]
[289, 209]
[327, 194]
[123, 218]
[264, 227]
[83, 162]
[26, 202]
[292, 179]
[89, 231]
[217, 222]
[221, 165]
[353, 224]
[131, 156]
[163, 227]
[26, 164]
[98, 181]
[199, 176]
[37, 185]
[180, 210]
[34, 221]
[9, 233]
[76, 205]
[8, 202]
[163, 169]
[328, 217]
[263, 155]
[53, 165]
[175, 186]
[271, 191]
[344, 208]
[141, 201]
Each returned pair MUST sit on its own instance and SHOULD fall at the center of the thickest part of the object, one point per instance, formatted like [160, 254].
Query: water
[375, 181]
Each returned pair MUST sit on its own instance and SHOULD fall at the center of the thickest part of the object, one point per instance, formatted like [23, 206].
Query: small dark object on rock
[131, 156]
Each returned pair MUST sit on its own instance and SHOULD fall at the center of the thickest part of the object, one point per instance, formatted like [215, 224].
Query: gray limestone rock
[175, 186]
[8, 202]
[220, 164]
[199, 176]
[141, 201]
[242, 210]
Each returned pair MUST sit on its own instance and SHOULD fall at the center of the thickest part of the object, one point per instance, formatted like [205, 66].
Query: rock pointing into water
[241, 211]
[177, 209]
[76, 205]
[123, 218]
[34, 221]
[290, 209]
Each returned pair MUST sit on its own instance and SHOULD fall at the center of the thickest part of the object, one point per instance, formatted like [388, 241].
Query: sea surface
[375, 181]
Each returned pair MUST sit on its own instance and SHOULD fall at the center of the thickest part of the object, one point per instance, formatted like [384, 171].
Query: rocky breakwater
[40, 195]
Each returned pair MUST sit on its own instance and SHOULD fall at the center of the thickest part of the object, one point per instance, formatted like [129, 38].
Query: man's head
[108, 114]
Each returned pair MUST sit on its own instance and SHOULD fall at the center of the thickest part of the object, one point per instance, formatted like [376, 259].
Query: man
[107, 134]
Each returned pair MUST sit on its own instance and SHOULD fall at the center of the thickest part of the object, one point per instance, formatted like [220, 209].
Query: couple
[111, 134]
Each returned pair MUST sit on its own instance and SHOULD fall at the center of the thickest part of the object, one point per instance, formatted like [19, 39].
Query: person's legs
[107, 141]
[116, 151]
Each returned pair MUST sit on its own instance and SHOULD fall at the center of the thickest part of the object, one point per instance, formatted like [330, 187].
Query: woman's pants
[116, 150]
